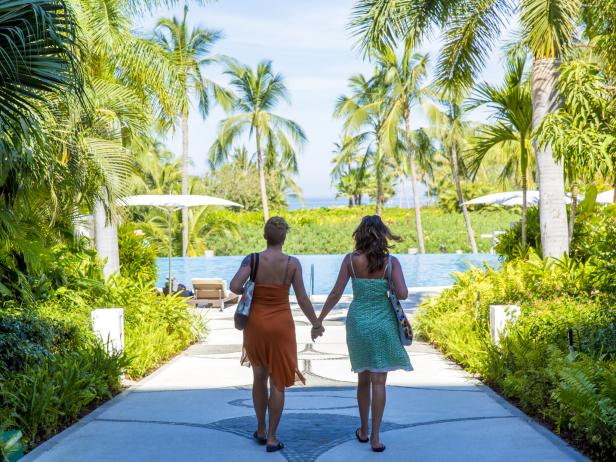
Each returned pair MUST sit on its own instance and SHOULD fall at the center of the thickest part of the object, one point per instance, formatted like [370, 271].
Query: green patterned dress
[372, 330]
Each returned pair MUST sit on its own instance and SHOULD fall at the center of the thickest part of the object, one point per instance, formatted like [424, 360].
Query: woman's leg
[259, 397]
[378, 381]
[276, 405]
[363, 402]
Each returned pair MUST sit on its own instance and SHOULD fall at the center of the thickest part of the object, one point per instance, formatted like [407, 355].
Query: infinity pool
[427, 270]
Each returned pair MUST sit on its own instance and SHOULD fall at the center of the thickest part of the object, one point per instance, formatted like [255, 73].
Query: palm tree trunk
[416, 204]
[379, 192]
[106, 240]
[350, 202]
[614, 198]
[262, 182]
[552, 210]
[467, 218]
[185, 182]
[407, 199]
[574, 199]
[524, 168]
[524, 207]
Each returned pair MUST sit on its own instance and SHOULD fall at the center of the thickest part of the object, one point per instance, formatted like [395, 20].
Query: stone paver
[198, 408]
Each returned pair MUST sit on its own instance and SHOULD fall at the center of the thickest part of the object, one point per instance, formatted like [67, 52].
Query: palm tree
[157, 171]
[512, 110]
[37, 58]
[452, 131]
[348, 170]
[364, 113]
[277, 139]
[37, 62]
[204, 227]
[404, 77]
[471, 30]
[581, 132]
[189, 51]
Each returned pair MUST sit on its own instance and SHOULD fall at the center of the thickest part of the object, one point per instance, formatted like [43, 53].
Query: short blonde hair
[275, 231]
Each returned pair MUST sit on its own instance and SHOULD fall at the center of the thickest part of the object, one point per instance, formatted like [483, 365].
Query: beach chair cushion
[209, 289]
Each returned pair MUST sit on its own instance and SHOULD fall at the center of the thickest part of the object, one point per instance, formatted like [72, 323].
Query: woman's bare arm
[243, 273]
[397, 276]
[302, 297]
[334, 296]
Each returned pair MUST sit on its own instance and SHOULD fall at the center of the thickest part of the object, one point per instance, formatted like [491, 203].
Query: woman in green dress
[371, 325]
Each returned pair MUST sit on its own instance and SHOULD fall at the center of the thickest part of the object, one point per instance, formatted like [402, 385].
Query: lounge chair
[212, 292]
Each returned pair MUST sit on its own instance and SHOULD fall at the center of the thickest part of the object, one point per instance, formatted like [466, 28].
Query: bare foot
[362, 435]
[272, 441]
[376, 444]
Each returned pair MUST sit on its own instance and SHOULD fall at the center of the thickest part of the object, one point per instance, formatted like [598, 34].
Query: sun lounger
[212, 292]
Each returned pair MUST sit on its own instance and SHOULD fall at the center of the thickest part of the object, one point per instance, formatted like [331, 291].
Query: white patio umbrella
[606, 197]
[512, 198]
[507, 199]
[171, 203]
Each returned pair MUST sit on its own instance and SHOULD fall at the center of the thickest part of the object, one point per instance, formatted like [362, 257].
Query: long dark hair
[372, 238]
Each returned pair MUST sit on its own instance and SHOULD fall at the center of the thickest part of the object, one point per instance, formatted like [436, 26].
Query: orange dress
[269, 337]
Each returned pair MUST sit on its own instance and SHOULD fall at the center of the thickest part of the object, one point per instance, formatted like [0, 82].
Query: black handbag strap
[254, 266]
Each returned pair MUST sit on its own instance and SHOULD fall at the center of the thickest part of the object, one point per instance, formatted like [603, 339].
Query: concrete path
[198, 408]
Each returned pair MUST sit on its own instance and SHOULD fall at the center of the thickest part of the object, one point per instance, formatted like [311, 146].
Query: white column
[500, 316]
[108, 325]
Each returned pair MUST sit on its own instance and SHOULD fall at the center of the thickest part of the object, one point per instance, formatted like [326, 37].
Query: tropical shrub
[510, 244]
[532, 365]
[593, 236]
[26, 339]
[156, 327]
[52, 369]
[137, 255]
[586, 396]
[51, 393]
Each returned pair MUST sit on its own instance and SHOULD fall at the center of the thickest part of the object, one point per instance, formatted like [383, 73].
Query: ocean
[319, 202]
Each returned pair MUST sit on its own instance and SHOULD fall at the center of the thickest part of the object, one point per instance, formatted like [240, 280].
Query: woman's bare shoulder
[294, 262]
[247, 259]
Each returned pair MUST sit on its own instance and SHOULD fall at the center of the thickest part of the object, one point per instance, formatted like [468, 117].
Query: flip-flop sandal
[275, 447]
[359, 439]
[262, 440]
[381, 448]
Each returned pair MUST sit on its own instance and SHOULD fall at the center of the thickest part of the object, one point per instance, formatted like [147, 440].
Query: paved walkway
[198, 408]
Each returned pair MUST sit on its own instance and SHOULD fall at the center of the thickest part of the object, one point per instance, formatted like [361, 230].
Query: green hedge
[532, 366]
[329, 230]
[53, 370]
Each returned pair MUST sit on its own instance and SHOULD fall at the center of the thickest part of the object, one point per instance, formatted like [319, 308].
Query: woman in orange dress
[270, 346]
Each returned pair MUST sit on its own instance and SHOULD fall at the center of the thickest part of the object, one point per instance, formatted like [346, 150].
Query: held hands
[317, 331]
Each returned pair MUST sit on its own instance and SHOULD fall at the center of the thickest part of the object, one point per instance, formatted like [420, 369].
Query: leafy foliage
[582, 130]
[531, 365]
[51, 393]
[156, 327]
[240, 184]
[137, 255]
[326, 231]
[594, 231]
[52, 369]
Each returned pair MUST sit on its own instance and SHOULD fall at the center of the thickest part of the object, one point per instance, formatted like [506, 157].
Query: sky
[309, 44]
